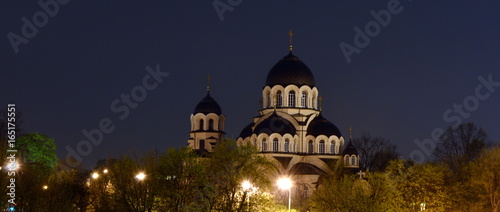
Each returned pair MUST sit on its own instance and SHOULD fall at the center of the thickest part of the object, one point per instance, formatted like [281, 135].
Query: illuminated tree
[485, 177]
[229, 165]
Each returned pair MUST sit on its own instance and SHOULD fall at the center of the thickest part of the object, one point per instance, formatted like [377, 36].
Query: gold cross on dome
[208, 82]
[350, 132]
[290, 33]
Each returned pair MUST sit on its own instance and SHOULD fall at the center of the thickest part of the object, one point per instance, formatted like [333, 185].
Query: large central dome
[290, 70]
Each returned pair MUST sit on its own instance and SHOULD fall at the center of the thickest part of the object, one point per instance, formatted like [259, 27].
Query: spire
[208, 82]
[290, 33]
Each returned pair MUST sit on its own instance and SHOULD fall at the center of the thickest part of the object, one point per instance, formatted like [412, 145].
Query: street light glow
[140, 176]
[95, 175]
[284, 183]
[246, 185]
[45, 187]
[105, 171]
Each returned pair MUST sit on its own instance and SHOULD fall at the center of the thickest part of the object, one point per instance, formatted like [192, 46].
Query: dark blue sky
[427, 59]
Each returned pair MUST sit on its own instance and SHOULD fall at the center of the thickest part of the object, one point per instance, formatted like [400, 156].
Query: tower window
[279, 99]
[202, 122]
[202, 144]
[304, 99]
[211, 124]
[346, 160]
[275, 145]
[291, 99]
[322, 147]
[315, 104]
[264, 145]
[353, 160]
[332, 147]
[287, 145]
[310, 147]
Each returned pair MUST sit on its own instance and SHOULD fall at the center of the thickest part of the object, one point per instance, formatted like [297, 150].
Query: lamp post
[246, 185]
[286, 183]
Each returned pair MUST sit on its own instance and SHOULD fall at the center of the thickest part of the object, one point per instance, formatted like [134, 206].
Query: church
[289, 128]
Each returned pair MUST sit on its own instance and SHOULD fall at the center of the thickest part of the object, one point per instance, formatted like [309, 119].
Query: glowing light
[246, 185]
[95, 175]
[45, 187]
[105, 171]
[140, 176]
[284, 183]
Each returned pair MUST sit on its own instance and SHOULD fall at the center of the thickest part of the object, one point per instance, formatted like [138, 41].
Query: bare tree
[459, 146]
[375, 152]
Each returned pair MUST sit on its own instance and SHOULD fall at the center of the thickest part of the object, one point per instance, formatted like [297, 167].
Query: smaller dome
[208, 105]
[247, 131]
[275, 124]
[321, 126]
[350, 149]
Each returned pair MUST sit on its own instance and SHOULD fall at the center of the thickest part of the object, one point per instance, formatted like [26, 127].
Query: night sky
[426, 59]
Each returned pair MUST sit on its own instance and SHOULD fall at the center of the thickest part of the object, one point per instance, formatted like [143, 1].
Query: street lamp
[105, 171]
[95, 175]
[286, 183]
[246, 185]
[140, 176]
[45, 187]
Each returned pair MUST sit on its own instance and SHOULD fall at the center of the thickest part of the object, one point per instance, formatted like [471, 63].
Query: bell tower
[207, 124]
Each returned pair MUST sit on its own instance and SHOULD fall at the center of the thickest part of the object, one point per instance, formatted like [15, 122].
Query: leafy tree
[39, 149]
[375, 152]
[130, 193]
[182, 178]
[229, 165]
[485, 177]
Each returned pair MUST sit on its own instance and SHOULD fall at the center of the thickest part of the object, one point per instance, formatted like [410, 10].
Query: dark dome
[247, 131]
[350, 149]
[208, 105]
[321, 126]
[275, 124]
[290, 70]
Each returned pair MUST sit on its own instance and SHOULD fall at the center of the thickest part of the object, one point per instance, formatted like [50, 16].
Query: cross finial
[290, 33]
[208, 82]
[350, 132]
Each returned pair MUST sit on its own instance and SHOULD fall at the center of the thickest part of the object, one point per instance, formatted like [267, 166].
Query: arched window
[287, 145]
[291, 99]
[275, 145]
[303, 99]
[346, 160]
[202, 122]
[353, 160]
[322, 147]
[264, 145]
[279, 99]
[210, 124]
[314, 103]
[332, 148]
[310, 147]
